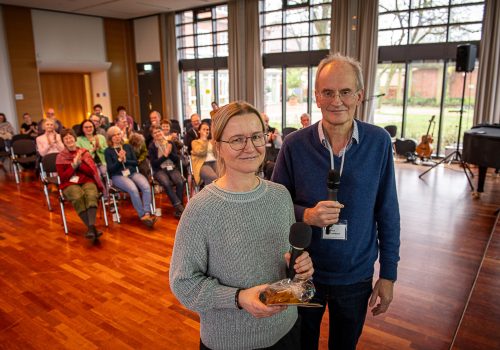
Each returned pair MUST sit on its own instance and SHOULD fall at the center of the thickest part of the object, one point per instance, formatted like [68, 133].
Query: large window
[202, 41]
[418, 41]
[403, 22]
[295, 37]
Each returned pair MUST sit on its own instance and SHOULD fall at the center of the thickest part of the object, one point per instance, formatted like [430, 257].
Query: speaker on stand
[466, 60]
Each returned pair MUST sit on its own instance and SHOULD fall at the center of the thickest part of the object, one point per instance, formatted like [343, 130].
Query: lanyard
[342, 151]
[123, 163]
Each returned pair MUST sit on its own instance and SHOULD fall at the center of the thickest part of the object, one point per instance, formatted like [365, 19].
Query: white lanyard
[343, 152]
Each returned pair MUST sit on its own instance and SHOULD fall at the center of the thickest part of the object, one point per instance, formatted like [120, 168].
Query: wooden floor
[59, 292]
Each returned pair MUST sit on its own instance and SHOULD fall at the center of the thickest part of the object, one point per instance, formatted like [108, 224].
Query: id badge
[126, 172]
[170, 167]
[74, 179]
[337, 231]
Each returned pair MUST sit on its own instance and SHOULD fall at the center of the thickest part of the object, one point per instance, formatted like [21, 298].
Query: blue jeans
[347, 306]
[132, 185]
[169, 179]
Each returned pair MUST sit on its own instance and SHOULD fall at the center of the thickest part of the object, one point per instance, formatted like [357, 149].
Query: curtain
[487, 108]
[170, 67]
[354, 34]
[246, 74]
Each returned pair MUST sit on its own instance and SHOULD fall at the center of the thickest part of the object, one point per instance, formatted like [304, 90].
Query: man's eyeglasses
[346, 95]
[238, 143]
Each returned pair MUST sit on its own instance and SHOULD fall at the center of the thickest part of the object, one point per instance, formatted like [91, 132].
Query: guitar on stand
[424, 148]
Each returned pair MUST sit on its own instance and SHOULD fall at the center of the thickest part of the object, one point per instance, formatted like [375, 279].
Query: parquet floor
[59, 292]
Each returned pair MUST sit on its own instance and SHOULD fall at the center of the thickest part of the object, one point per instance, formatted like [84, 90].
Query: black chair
[48, 175]
[392, 130]
[23, 153]
[76, 128]
[287, 131]
[21, 137]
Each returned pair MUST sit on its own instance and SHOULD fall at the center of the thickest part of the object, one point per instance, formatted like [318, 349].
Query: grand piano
[482, 147]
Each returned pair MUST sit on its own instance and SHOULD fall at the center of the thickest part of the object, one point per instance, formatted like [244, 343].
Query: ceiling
[123, 9]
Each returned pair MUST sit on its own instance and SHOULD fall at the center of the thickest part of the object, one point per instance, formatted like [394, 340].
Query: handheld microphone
[300, 238]
[332, 185]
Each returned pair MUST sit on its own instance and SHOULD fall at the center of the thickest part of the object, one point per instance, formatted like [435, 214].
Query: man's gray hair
[338, 57]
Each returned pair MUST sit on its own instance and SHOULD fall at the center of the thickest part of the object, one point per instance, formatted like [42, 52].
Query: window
[295, 37]
[202, 41]
[420, 81]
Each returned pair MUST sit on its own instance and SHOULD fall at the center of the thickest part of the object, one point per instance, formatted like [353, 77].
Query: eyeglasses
[345, 95]
[238, 143]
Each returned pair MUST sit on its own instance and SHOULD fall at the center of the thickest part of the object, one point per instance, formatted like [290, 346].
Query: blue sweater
[367, 191]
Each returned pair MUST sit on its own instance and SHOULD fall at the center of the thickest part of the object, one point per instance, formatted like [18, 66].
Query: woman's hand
[303, 265]
[122, 155]
[78, 158]
[249, 300]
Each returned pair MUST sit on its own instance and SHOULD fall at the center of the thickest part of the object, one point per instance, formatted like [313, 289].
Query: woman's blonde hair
[110, 133]
[219, 122]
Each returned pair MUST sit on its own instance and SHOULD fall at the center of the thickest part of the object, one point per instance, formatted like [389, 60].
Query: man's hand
[249, 300]
[383, 289]
[323, 214]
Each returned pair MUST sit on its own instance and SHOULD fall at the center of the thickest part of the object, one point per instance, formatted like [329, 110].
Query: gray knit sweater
[227, 240]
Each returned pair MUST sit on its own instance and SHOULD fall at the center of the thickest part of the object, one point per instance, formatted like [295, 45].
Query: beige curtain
[170, 67]
[487, 108]
[354, 34]
[246, 74]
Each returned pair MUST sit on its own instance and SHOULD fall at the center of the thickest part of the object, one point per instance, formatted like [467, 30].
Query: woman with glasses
[231, 242]
[203, 158]
[122, 168]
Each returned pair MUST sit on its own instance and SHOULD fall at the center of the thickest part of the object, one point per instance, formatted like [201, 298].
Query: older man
[358, 226]
[192, 134]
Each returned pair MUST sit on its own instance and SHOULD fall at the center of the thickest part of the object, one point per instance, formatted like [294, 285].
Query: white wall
[100, 93]
[7, 102]
[62, 37]
[147, 39]
[73, 43]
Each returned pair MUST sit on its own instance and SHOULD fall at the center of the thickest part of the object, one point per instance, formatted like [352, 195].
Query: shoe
[90, 234]
[97, 233]
[148, 220]
[179, 209]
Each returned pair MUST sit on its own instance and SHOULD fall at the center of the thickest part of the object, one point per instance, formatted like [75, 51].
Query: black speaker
[466, 57]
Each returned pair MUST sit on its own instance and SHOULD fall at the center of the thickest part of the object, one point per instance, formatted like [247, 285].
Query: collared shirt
[354, 137]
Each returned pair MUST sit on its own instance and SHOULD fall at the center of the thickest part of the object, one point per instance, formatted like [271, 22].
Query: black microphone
[332, 185]
[300, 238]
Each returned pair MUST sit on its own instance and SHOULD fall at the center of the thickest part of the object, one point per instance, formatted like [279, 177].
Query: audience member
[29, 127]
[230, 243]
[80, 181]
[121, 122]
[305, 120]
[50, 114]
[350, 234]
[192, 133]
[165, 161]
[166, 128]
[122, 168]
[154, 120]
[50, 141]
[273, 145]
[99, 130]
[122, 111]
[95, 144]
[138, 144]
[203, 158]
[215, 108]
[103, 120]
[6, 129]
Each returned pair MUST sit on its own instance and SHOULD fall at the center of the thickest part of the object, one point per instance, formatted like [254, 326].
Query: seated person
[166, 128]
[138, 144]
[203, 158]
[80, 181]
[121, 122]
[163, 155]
[96, 120]
[122, 163]
[6, 129]
[103, 120]
[50, 141]
[192, 133]
[50, 115]
[29, 127]
[95, 144]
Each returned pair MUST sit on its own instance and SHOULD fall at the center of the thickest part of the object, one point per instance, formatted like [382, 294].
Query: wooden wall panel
[22, 56]
[122, 75]
[66, 93]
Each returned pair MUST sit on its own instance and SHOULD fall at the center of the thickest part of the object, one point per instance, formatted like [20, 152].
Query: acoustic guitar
[424, 148]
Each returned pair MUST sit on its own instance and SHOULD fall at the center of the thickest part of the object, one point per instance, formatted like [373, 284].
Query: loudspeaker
[466, 57]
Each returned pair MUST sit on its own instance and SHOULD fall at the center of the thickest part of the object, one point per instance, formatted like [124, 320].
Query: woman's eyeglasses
[237, 143]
